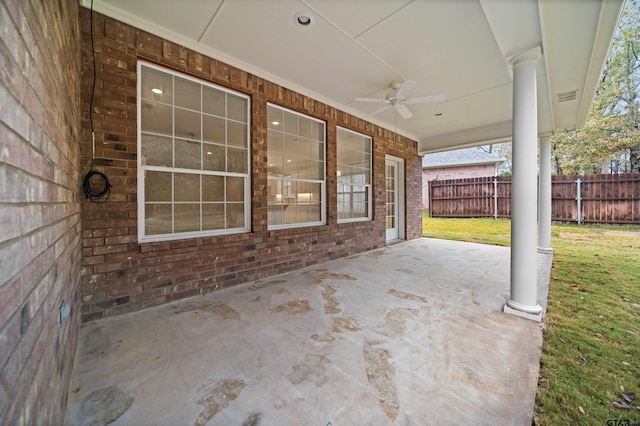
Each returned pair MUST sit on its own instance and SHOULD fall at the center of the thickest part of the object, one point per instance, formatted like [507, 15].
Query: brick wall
[443, 173]
[119, 275]
[39, 209]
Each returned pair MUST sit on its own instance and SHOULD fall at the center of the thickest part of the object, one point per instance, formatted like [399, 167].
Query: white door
[394, 210]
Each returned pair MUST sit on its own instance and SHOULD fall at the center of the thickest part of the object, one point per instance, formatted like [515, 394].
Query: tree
[610, 140]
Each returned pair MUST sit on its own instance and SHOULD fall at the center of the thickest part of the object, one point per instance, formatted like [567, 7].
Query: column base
[545, 250]
[533, 313]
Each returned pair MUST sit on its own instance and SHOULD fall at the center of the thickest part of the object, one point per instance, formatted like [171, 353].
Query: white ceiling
[357, 48]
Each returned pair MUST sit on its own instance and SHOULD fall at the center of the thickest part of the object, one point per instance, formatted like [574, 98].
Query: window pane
[214, 157]
[157, 151]
[236, 160]
[157, 218]
[236, 134]
[157, 186]
[207, 132]
[235, 215]
[187, 124]
[290, 123]
[214, 129]
[158, 80]
[275, 118]
[274, 159]
[187, 93]
[156, 118]
[212, 188]
[236, 108]
[213, 216]
[188, 154]
[213, 101]
[354, 175]
[235, 188]
[187, 217]
[187, 187]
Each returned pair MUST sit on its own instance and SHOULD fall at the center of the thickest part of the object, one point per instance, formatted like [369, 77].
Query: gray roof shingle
[460, 157]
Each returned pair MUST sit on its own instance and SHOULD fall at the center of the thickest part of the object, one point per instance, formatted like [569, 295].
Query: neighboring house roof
[460, 158]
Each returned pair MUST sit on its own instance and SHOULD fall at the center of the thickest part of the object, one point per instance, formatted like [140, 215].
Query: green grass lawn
[591, 344]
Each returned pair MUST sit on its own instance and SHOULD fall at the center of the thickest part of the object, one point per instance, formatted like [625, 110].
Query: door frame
[400, 195]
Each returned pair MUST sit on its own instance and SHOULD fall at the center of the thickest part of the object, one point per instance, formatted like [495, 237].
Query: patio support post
[544, 219]
[523, 299]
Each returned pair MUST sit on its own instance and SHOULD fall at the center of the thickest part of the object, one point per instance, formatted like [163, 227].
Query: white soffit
[357, 48]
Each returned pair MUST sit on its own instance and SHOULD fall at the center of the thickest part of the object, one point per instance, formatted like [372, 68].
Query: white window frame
[286, 182]
[142, 168]
[367, 186]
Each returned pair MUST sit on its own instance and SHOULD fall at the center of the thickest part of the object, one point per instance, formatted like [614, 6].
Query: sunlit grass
[591, 346]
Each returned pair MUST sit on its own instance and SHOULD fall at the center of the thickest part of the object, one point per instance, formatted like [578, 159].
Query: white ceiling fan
[399, 99]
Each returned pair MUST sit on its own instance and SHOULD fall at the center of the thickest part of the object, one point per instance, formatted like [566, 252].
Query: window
[296, 169]
[193, 157]
[354, 176]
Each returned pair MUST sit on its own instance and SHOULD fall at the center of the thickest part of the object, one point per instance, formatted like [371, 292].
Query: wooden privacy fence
[603, 198]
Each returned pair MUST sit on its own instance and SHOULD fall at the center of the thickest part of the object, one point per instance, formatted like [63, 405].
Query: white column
[523, 300]
[544, 206]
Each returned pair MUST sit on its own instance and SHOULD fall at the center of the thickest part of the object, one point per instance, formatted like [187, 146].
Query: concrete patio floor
[413, 334]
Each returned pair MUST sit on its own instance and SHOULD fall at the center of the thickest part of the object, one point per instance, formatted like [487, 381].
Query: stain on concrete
[258, 285]
[330, 301]
[294, 307]
[375, 254]
[381, 375]
[342, 324]
[253, 420]
[96, 342]
[395, 321]
[104, 406]
[215, 395]
[405, 271]
[480, 382]
[310, 369]
[408, 296]
[282, 291]
[220, 309]
[319, 275]
[323, 338]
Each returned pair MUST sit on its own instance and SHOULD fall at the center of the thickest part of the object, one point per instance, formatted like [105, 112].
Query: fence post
[579, 198]
[495, 198]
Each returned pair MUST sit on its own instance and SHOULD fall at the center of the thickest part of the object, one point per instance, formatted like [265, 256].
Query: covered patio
[410, 334]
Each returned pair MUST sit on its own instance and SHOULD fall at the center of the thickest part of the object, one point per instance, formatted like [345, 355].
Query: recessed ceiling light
[209, 152]
[303, 19]
[275, 123]
[157, 91]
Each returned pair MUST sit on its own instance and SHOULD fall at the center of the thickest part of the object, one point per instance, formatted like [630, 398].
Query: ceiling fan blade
[381, 109]
[405, 89]
[403, 111]
[372, 100]
[425, 99]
